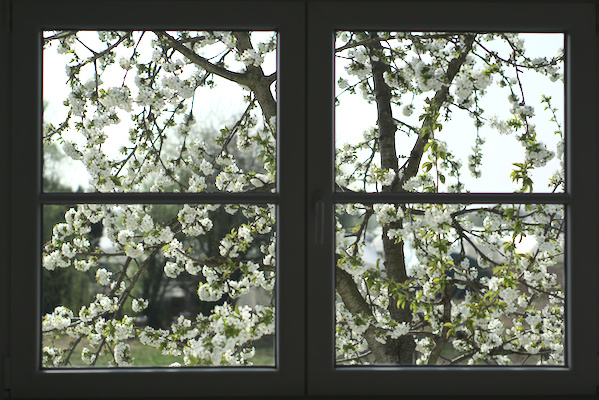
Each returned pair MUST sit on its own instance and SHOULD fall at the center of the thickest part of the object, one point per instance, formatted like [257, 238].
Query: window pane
[159, 111]
[449, 112]
[450, 284]
[153, 285]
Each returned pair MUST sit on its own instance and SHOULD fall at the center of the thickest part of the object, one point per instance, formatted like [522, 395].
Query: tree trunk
[394, 257]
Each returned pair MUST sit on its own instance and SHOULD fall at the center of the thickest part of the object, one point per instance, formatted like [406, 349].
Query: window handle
[319, 222]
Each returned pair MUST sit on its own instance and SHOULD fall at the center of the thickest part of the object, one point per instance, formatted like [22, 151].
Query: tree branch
[237, 77]
[260, 83]
[355, 303]
[253, 78]
[413, 164]
[100, 54]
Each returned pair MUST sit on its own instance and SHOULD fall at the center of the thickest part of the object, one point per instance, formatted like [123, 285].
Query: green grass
[145, 356]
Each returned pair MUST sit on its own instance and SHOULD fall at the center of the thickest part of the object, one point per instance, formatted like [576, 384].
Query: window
[336, 313]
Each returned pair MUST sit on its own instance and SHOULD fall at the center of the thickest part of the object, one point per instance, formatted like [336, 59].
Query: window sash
[577, 22]
[31, 18]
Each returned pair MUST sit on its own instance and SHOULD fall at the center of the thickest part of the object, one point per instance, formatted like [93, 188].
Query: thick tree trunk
[394, 257]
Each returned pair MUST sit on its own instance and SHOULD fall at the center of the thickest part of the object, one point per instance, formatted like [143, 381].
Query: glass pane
[449, 112]
[441, 284]
[158, 285]
[159, 111]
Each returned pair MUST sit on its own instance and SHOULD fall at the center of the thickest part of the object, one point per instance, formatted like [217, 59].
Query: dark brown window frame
[305, 363]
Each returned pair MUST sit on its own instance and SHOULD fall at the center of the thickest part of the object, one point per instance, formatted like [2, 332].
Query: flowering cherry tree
[468, 295]
[151, 82]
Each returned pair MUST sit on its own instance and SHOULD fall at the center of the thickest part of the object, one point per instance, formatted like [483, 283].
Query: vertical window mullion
[291, 175]
[320, 189]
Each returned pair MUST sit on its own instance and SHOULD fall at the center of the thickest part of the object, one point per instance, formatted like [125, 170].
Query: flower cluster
[508, 302]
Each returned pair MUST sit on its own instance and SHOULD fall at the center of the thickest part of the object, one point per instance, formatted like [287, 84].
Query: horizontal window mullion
[462, 198]
[158, 198]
